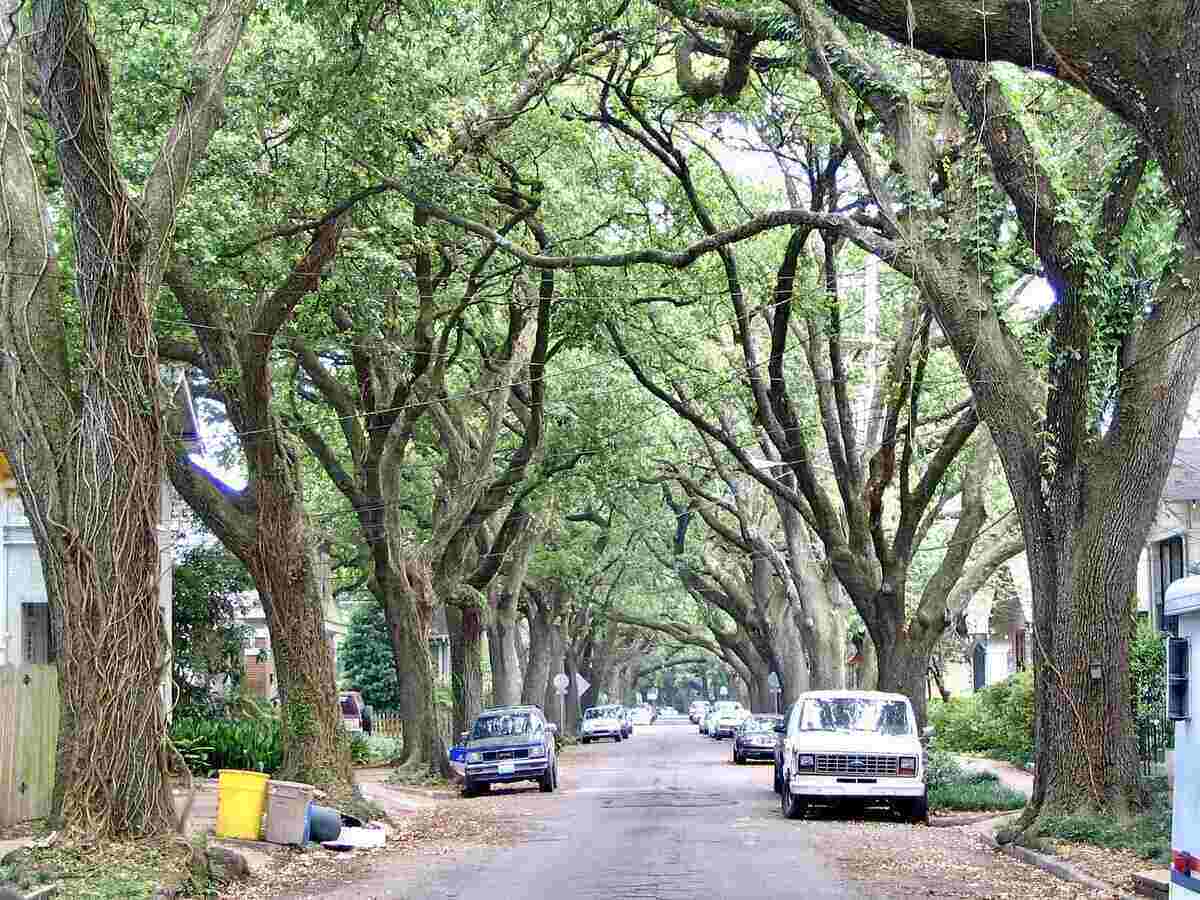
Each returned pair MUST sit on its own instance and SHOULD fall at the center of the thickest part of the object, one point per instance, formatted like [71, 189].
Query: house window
[1167, 563]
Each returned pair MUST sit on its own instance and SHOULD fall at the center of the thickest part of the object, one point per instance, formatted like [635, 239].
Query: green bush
[997, 721]
[248, 744]
[974, 796]
[1148, 835]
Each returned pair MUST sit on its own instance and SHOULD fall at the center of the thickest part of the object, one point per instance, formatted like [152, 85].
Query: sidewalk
[1010, 776]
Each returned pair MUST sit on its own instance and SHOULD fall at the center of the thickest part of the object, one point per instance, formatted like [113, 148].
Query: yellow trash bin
[241, 801]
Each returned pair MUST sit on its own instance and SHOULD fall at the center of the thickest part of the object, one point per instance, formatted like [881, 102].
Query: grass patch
[975, 795]
[1148, 835]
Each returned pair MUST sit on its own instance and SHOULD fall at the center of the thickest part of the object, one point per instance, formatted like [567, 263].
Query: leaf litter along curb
[438, 830]
[891, 860]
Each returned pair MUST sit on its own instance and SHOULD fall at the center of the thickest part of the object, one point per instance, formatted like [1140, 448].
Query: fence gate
[28, 735]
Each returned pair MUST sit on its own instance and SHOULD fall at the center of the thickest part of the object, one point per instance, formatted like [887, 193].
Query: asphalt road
[663, 815]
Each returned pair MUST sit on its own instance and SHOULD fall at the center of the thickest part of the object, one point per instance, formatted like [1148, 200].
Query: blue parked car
[507, 744]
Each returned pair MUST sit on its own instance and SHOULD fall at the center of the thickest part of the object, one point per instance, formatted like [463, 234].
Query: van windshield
[847, 714]
[600, 712]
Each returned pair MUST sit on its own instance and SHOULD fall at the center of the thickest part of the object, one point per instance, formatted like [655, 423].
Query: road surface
[666, 815]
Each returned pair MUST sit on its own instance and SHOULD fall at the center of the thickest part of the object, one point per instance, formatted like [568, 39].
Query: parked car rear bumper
[751, 752]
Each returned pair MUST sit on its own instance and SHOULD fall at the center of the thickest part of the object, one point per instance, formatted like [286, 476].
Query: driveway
[668, 815]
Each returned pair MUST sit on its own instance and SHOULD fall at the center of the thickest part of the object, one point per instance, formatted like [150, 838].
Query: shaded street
[668, 815]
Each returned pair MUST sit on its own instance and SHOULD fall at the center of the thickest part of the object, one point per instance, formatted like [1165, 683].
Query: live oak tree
[81, 423]
[1085, 477]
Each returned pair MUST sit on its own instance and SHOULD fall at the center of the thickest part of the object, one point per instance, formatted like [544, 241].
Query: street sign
[581, 684]
[773, 681]
[724, 691]
[560, 682]
[561, 691]
[652, 694]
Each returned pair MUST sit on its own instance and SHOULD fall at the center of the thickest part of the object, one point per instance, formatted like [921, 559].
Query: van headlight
[908, 765]
[474, 757]
[805, 762]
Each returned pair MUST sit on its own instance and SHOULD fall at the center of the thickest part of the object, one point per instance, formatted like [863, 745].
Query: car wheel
[473, 788]
[585, 740]
[917, 811]
[793, 807]
[549, 779]
[617, 738]
[738, 758]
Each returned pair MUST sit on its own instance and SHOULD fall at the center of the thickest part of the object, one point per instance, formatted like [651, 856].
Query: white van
[853, 745]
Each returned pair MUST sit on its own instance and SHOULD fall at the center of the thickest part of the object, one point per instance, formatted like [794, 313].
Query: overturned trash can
[287, 812]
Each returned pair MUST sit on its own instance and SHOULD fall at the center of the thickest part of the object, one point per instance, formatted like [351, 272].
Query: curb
[1050, 864]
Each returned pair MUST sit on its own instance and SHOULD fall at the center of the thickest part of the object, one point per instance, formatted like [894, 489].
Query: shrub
[975, 795]
[249, 744]
[360, 749]
[1148, 835]
[941, 768]
[997, 721]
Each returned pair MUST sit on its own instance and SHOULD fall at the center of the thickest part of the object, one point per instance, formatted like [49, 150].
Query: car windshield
[760, 724]
[502, 725]
[845, 714]
[599, 712]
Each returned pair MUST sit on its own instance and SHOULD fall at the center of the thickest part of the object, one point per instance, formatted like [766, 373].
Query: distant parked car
[601, 722]
[755, 738]
[728, 715]
[697, 710]
[853, 745]
[352, 706]
[507, 744]
[780, 737]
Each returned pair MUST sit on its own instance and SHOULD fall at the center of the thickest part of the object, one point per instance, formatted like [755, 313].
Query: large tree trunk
[571, 715]
[1086, 752]
[315, 749]
[407, 598]
[541, 650]
[506, 665]
[85, 439]
[466, 663]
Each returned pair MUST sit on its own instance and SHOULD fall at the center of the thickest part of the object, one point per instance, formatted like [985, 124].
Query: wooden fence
[28, 734]
[392, 725]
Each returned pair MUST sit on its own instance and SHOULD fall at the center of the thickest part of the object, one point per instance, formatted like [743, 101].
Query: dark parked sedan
[755, 738]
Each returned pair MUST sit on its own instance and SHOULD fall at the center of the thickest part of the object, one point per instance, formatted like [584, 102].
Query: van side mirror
[781, 728]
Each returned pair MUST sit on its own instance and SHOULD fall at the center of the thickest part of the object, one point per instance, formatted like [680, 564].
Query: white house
[1174, 540]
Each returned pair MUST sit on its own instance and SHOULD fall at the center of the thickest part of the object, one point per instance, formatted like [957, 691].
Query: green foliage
[997, 721]
[207, 640]
[1148, 835]
[942, 768]
[366, 656]
[953, 787]
[248, 744]
[974, 796]
[360, 749]
[1147, 670]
